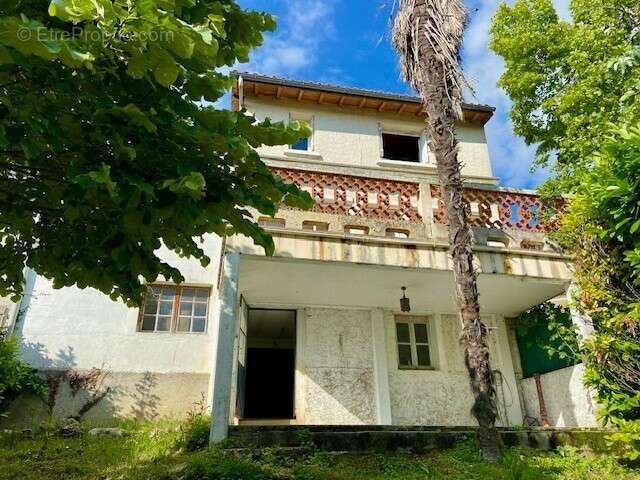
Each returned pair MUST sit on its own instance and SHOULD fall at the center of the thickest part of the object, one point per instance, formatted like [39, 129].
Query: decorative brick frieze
[496, 209]
[398, 200]
[357, 196]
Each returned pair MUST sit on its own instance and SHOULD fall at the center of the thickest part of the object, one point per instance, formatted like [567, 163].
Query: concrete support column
[224, 330]
[380, 368]
[426, 207]
[508, 395]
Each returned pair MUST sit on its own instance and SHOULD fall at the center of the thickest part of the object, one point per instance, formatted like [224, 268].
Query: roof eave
[482, 112]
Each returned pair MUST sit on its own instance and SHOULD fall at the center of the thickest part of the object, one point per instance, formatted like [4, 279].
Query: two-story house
[317, 334]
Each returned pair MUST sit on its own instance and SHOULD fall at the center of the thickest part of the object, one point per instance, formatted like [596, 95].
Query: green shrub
[194, 432]
[16, 377]
[627, 439]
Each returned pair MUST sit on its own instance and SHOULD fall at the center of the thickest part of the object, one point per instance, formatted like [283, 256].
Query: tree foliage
[601, 224]
[569, 79]
[561, 343]
[111, 144]
[576, 92]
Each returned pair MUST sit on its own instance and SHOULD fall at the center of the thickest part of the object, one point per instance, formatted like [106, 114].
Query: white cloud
[302, 29]
[510, 157]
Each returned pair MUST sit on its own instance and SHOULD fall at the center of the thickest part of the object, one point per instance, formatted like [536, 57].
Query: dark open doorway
[270, 367]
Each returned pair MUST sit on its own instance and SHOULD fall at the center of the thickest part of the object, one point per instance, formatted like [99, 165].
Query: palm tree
[427, 35]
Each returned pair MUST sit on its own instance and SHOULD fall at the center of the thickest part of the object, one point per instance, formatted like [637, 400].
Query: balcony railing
[357, 196]
[497, 209]
[398, 200]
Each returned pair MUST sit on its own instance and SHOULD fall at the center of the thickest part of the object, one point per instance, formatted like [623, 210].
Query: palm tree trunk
[427, 35]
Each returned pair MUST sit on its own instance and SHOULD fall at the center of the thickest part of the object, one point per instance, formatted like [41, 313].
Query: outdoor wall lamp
[405, 305]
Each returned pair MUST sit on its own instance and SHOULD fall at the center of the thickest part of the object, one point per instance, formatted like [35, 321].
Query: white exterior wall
[163, 372]
[336, 368]
[568, 402]
[348, 137]
[335, 363]
[443, 396]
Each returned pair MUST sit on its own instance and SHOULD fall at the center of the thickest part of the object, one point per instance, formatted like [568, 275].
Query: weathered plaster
[442, 396]
[223, 330]
[338, 362]
[406, 253]
[568, 402]
[7, 312]
[66, 328]
[77, 328]
[380, 368]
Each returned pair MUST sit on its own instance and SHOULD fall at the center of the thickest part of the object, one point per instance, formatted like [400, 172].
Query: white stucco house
[315, 335]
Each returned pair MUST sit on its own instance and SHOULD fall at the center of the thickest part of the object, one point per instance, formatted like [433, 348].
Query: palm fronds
[431, 30]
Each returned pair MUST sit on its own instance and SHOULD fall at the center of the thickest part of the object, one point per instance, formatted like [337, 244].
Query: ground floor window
[412, 338]
[172, 308]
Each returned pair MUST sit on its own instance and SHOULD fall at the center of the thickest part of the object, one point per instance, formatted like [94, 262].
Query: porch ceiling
[291, 282]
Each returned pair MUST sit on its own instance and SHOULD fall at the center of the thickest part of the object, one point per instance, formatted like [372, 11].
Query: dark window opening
[270, 370]
[400, 147]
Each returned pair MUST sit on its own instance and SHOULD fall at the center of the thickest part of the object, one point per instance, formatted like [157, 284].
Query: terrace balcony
[397, 230]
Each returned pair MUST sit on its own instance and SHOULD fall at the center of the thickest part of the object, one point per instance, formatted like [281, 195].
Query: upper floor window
[171, 308]
[412, 336]
[405, 148]
[303, 144]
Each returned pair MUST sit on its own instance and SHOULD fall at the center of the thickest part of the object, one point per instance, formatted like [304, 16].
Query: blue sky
[346, 42]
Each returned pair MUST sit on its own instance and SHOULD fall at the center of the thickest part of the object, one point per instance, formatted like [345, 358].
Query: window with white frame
[412, 338]
[302, 144]
[172, 308]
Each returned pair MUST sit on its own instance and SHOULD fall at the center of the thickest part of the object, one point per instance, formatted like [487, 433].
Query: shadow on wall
[145, 401]
[93, 395]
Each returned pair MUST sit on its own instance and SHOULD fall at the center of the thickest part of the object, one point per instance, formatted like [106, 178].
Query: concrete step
[392, 438]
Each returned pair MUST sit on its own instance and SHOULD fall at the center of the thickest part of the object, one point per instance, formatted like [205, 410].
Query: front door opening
[270, 367]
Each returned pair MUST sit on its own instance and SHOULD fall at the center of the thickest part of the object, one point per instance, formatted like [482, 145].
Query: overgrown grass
[159, 451]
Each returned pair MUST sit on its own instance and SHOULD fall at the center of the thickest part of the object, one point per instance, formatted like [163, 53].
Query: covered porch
[347, 366]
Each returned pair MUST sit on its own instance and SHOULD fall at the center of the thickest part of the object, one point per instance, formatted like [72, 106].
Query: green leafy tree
[576, 93]
[569, 79]
[601, 224]
[111, 144]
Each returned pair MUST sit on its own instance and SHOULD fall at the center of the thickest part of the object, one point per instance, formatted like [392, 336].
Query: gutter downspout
[240, 92]
[20, 307]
